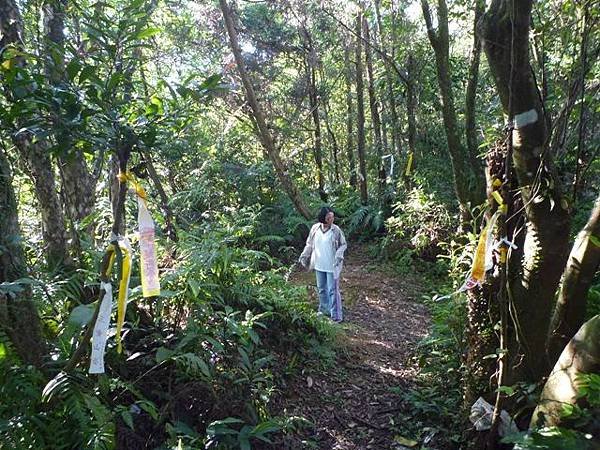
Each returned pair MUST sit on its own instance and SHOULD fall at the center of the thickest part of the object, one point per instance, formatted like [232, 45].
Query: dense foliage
[367, 108]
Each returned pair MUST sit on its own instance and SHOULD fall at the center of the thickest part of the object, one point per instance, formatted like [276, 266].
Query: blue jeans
[326, 287]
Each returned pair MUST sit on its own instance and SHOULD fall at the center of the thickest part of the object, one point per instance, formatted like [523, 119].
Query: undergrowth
[201, 364]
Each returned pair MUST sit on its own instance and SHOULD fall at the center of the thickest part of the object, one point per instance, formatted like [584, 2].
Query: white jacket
[307, 258]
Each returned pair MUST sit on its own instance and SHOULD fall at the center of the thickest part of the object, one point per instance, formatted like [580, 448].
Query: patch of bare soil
[351, 404]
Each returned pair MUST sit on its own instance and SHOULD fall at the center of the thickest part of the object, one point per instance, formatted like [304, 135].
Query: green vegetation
[234, 121]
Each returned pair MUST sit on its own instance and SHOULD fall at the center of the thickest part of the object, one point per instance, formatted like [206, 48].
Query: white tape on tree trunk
[525, 118]
[101, 330]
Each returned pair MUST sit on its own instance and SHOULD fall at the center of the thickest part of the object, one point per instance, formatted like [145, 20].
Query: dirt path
[353, 404]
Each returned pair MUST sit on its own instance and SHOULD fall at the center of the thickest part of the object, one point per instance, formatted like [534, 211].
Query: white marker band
[525, 118]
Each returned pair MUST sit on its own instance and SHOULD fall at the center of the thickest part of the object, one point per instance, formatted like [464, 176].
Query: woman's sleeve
[308, 247]
[343, 245]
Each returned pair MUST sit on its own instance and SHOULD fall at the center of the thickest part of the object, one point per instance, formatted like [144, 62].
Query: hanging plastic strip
[482, 259]
[101, 330]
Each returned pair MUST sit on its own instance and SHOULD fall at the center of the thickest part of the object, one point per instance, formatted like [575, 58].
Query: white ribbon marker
[148, 261]
[101, 330]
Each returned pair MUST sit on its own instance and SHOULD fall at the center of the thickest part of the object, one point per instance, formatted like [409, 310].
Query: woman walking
[324, 252]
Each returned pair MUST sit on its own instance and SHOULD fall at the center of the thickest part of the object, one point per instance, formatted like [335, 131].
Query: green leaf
[404, 441]
[127, 418]
[594, 240]
[73, 69]
[162, 354]
[82, 315]
[508, 390]
[86, 73]
[114, 81]
[244, 443]
[148, 32]
[149, 407]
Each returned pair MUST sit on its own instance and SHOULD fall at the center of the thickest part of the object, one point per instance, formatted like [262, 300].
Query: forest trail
[354, 404]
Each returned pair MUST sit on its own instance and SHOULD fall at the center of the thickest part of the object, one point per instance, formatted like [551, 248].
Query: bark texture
[535, 279]
[468, 184]
[34, 153]
[581, 355]
[18, 315]
[582, 265]
[360, 114]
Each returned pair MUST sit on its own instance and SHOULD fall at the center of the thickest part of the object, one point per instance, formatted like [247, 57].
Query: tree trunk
[34, 154]
[170, 231]
[582, 265]
[533, 284]
[374, 107]
[264, 134]
[77, 183]
[18, 315]
[349, 118]
[411, 109]
[360, 114]
[581, 355]
[311, 61]
[335, 148]
[471, 93]
[396, 136]
[468, 185]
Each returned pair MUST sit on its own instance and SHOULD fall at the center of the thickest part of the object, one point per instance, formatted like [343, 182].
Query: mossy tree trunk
[18, 315]
[468, 180]
[582, 265]
[533, 278]
[34, 152]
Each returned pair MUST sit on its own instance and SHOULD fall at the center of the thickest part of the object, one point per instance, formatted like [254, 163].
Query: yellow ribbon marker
[502, 207]
[482, 261]
[503, 251]
[409, 164]
[125, 247]
[478, 270]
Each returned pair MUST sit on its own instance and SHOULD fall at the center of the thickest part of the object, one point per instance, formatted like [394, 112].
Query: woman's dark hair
[323, 212]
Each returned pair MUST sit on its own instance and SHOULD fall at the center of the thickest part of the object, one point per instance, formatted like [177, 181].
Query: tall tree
[468, 178]
[374, 105]
[18, 315]
[349, 117]
[471, 91]
[263, 131]
[34, 152]
[313, 96]
[360, 114]
[534, 270]
[78, 183]
[391, 98]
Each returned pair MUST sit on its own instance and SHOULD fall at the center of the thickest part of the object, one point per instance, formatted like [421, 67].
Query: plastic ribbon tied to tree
[482, 259]
[409, 163]
[149, 276]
